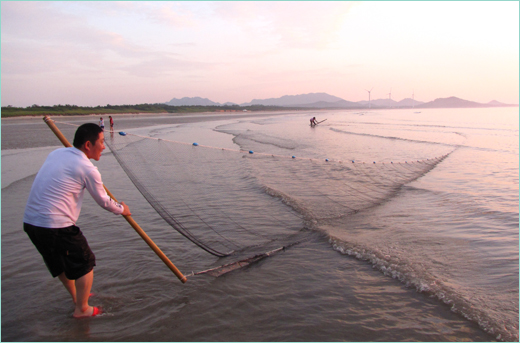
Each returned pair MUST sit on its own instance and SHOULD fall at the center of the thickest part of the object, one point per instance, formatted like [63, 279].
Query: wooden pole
[129, 219]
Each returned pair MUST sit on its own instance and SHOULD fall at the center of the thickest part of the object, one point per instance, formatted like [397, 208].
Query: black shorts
[63, 250]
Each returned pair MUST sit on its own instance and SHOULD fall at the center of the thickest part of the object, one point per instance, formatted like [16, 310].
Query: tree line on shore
[36, 110]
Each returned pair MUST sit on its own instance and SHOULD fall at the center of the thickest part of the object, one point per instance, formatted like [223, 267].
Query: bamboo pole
[129, 219]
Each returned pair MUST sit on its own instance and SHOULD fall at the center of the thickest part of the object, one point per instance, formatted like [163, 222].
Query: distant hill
[383, 103]
[196, 101]
[324, 100]
[409, 102]
[336, 104]
[451, 102]
[295, 100]
[389, 103]
[495, 103]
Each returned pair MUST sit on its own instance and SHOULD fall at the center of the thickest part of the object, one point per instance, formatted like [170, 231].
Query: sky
[91, 53]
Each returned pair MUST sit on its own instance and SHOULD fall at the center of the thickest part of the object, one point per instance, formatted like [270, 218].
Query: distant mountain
[384, 103]
[336, 104]
[324, 100]
[451, 102]
[295, 100]
[196, 101]
[409, 102]
[495, 103]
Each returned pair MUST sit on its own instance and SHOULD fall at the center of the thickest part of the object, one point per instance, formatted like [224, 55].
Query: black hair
[86, 132]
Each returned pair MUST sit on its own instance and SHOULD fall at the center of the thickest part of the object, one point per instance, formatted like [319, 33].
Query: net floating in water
[207, 194]
[228, 201]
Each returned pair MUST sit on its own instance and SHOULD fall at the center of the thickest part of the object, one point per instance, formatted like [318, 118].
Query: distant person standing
[111, 123]
[102, 123]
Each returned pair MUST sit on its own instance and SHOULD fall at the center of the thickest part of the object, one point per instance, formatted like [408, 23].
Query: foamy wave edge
[506, 332]
[432, 288]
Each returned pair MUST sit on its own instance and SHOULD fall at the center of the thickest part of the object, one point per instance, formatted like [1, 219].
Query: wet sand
[32, 132]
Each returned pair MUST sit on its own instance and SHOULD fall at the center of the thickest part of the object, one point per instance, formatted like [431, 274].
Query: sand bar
[29, 132]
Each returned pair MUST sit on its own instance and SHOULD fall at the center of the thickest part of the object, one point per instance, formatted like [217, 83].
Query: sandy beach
[30, 132]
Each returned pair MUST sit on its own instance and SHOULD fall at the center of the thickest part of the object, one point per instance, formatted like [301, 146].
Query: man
[54, 206]
[313, 121]
[102, 123]
[111, 124]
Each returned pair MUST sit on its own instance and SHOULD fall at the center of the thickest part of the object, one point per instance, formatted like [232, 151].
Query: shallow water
[435, 260]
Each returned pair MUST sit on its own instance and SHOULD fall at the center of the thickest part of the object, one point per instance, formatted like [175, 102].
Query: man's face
[97, 149]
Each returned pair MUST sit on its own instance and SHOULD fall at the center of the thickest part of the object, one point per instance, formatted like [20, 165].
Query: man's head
[89, 138]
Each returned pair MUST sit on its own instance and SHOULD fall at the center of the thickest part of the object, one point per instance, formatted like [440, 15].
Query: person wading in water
[54, 206]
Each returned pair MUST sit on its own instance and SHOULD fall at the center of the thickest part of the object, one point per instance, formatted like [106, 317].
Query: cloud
[300, 25]
[273, 47]
[163, 64]
[164, 13]
[60, 42]
[172, 14]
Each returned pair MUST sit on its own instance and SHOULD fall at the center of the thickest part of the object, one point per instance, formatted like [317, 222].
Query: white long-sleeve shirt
[57, 192]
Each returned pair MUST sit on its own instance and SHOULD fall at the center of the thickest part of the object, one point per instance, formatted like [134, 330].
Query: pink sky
[98, 53]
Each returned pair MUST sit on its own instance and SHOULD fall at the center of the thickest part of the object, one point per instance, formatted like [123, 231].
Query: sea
[435, 259]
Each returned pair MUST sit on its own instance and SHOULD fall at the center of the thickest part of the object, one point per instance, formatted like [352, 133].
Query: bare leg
[70, 285]
[83, 286]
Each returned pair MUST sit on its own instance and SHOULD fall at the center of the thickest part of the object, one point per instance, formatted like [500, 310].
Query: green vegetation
[36, 110]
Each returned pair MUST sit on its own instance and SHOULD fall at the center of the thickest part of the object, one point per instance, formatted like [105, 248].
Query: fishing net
[206, 194]
[227, 201]
[210, 195]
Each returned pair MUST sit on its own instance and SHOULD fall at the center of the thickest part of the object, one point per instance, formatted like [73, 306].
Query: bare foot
[90, 312]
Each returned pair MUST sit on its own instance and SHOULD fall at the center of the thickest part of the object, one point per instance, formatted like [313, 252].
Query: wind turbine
[369, 95]
[390, 94]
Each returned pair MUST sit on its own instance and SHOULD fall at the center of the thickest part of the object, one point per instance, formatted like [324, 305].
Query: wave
[240, 137]
[394, 138]
[439, 126]
[18, 164]
[411, 277]
[454, 146]
[414, 274]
